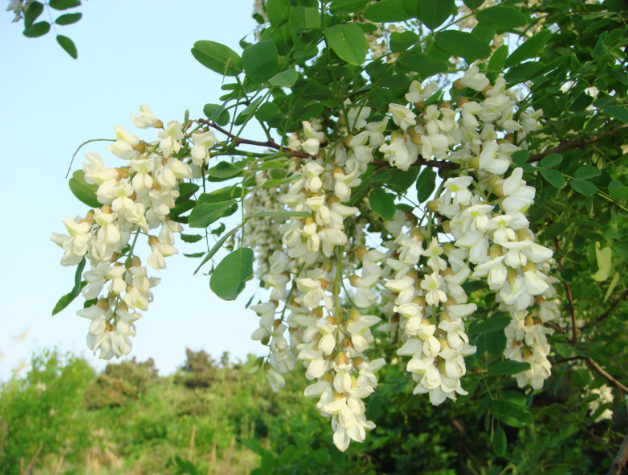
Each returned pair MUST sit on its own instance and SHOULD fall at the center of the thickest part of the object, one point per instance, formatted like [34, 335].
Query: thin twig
[577, 143]
[608, 312]
[239, 141]
[572, 309]
[420, 161]
[564, 360]
[604, 374]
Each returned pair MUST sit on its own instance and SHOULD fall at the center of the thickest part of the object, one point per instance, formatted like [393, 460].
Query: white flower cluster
[19, 8]
[605, 394]
[136, 199]
[418, 272]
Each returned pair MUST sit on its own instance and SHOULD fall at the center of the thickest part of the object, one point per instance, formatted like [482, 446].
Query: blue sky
[130, 53]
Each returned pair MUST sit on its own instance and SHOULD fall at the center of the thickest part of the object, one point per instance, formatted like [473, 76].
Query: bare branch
[239, 141]
[621, 460]
[572, 308]
[577, 143]
[604, 374]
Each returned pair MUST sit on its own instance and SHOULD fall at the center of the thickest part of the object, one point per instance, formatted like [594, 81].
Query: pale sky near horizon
[130, 53]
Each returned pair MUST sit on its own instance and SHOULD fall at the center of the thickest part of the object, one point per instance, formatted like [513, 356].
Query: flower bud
[475, 163]
[522, 235]
[341, 358]
[458, 84]
[419, 104]
[362, 253]
[510, 138]
[123, 306]
[106, 210]
[331, 320]
[447, 246]
[317, 312]
[417, 139]
[446, 226]
[433, 205]
[529, 321]
[89, 217]
[419, 300]
[159, 124]
[328, 378]
[347, 343]
[354, 314]
[394, 318]
[539, 299]
[353, 280]
[529, 267]
[338, 396]
[445, 105]
[347, 139]
[327, 266]
[512, 275]
[323, 283]
[257, 365]
[463, 101]
[486, 89]
[276, 323]
[495, 251]
[103, 304]
[152, 240]
[357, 362]
[398, 134]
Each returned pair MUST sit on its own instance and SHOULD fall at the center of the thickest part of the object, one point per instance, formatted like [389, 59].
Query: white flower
[474, 79]
[144, 118]
[402, 116]
[203, 141]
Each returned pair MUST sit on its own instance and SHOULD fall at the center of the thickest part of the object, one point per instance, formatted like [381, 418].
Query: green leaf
[617, 112]
[302, 21]
[261, 60]
[508, 368]
[275, 183]
[224, 170]
[622, 78]
[347, 6]
[401, 180]
[206, 213]
[524, 72]
[186, 190]
[85, 192]
[520, 157]
[529, 49]
[502, 18]
[191, 238]
[76, 290]
[230, 276]
[216, 247]
[402, 41]
[348, 41]
[386, 11]
[587, 172]
[426, 184]
[423, 64]
[620, 193]
[68, 19]
[217, 57]
[64, 4]
[277, 10]
[286, 78]
[194, 255]
[68, 45]
[507, 409]
[219, 230]
[553, 177]
[500, 444]
[34, 10]
[473, 4]
[223, 115]
[285, 214]
[382, 203]
[496, 63]
[465, 45]
[433, 13]
[493, 324]
[551, 160]
[604, 259]
[37, 30]
[514, 396]
[583, 187]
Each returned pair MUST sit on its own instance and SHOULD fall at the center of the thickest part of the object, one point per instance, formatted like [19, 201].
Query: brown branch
[608, 312]
[420, 161]
[621, 460]
[239, 141]
[577, 143]
[604, 374]
[555, 327]
[564, 360]
[572, 309]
